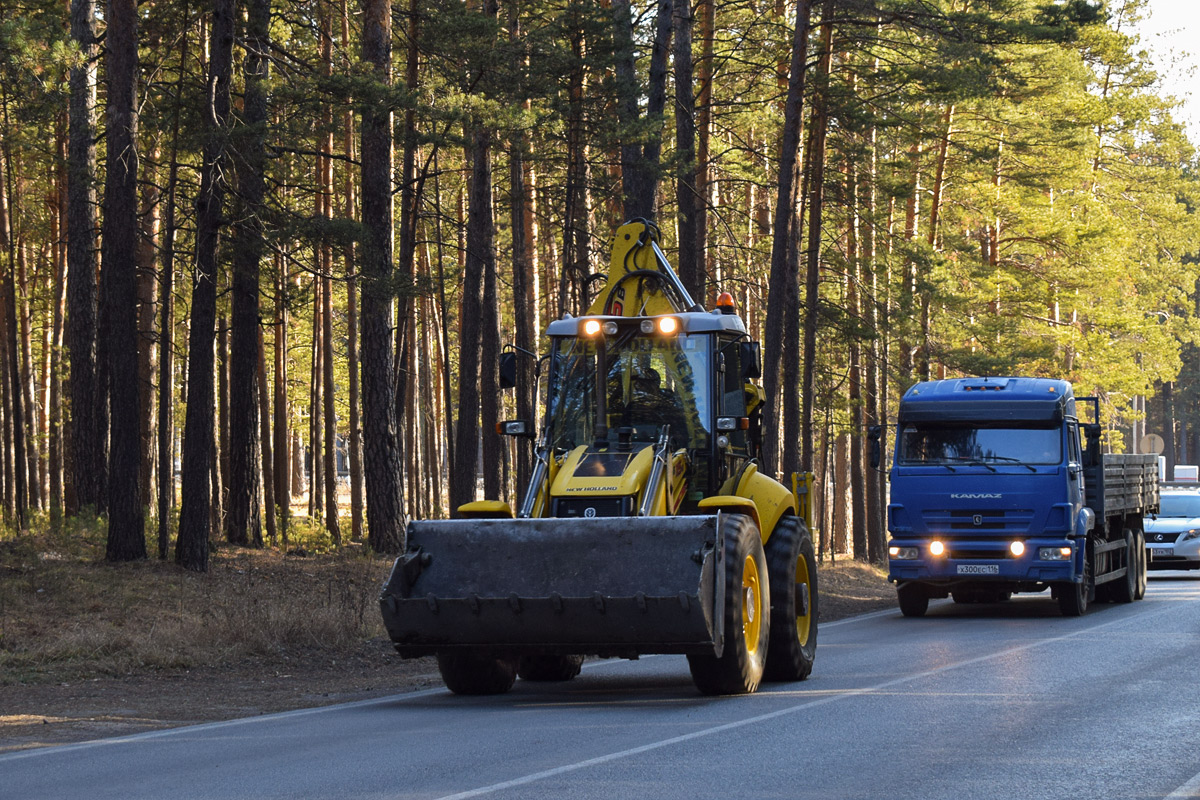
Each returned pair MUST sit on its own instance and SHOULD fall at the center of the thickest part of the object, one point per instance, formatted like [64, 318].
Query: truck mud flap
[616, 586]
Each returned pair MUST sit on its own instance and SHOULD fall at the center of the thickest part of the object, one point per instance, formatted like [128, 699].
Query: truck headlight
[902, 553]
[1017, 549]
[1054, 553]
[936, 548]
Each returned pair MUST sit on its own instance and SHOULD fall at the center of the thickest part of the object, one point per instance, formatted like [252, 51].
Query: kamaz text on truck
[998, 487]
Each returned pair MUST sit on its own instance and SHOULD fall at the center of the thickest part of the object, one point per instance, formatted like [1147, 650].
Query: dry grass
[66, 614]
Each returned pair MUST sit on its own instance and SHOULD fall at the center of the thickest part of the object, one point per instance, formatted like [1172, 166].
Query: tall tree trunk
[58, 305]
[81, 259]
[704, 260]
[283, 474]
[16, 395]
[166, 362]
[574, 274]
[243, 523]
[332, 523]
[354, 436]
[494, 446]
[691, 272]
[28, 377]
[816, 171]
[381, 453]
[782, 296]
[313, 461]
[126, 534]
[523, 270]
[264, 420]
[147, 288]
[472, 325]
[195, 513]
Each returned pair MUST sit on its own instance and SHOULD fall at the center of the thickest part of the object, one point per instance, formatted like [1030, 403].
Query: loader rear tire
[549, 668]
[477, 673]
[739, 669]
[792, 567]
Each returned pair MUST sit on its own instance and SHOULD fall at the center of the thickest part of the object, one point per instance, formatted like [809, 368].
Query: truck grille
[968, 522]
[960, 553]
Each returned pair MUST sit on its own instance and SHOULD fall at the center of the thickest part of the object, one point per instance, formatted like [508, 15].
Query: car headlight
[1192, 534]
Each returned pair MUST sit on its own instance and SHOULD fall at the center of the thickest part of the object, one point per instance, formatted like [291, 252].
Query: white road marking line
[1189, 789]
[209, 726]
[850, 693]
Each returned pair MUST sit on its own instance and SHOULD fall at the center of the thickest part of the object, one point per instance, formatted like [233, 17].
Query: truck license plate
[1159, 552]
[978, 569]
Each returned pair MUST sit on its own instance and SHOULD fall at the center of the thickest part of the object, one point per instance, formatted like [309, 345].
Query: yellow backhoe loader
[646, 526]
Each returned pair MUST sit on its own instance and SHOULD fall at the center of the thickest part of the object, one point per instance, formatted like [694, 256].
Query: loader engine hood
[600, 483]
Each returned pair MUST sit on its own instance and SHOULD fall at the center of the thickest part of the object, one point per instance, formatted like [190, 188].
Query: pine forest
[260, 258]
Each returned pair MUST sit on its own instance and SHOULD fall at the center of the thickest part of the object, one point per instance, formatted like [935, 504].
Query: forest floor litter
[92, 650]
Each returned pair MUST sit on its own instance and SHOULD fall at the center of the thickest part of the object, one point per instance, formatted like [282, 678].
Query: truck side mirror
[508, 370]
[873, 435]
[751, 358]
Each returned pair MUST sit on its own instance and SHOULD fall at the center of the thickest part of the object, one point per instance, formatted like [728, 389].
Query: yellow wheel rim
[803, 621]
[752, 607]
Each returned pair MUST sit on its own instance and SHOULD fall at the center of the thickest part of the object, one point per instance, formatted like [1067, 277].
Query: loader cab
[681, 374]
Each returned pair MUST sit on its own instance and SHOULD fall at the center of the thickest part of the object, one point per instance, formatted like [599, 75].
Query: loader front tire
[792, 566]
[739, 669]
[477, 673]
[549, 668]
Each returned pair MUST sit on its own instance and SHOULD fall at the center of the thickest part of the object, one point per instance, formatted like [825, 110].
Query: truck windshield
[652, 381]
[957, 444]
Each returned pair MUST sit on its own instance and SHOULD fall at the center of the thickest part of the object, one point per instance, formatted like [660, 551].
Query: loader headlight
[1054, 553]
[591, 327]
[647, 326]
[610, 328]
[668, 326]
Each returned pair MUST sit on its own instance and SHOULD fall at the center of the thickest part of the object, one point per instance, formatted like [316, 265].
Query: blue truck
[997, 487]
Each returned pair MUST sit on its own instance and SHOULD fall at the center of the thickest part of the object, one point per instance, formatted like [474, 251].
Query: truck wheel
[914, 601]
[1140, 546]
[792, 567]
[549, 668]
[477, 673]
[747, 617]
[1125, 590]
[1073, 597]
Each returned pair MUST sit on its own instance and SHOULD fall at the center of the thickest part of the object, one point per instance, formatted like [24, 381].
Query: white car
[1173, 534]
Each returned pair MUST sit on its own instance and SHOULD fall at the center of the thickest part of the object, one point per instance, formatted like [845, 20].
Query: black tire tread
[736, 671]
[787, 658]
[549, 668]
[476, 673]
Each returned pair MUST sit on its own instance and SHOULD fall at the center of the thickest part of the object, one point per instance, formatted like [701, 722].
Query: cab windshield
[966, 444]
[652, 383]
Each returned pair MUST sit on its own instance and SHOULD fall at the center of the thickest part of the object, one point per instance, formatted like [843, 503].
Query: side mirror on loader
[751, 359]
[515, 427]
[873, 435]
[508, 369]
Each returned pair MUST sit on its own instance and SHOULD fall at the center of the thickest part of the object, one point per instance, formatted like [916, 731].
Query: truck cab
[990, 495]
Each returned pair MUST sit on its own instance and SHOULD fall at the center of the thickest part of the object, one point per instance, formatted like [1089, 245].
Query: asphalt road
[1002, 701]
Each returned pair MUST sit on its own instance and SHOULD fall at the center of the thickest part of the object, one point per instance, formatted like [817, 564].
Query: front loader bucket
[613, 586]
